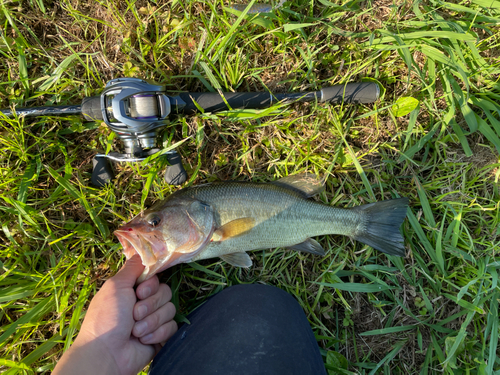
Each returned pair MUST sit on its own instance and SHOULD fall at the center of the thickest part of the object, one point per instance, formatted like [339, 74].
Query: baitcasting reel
[137, 110]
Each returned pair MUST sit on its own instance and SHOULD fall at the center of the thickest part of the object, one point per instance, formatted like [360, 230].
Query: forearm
[86, 357]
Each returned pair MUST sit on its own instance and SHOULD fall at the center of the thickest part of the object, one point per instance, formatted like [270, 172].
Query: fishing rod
[137, 110]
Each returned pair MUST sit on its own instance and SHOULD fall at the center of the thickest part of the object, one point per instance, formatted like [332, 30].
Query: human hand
[123, 328]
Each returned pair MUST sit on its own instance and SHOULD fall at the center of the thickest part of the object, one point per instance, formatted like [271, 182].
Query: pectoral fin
[233, 229]
[309, 246]
[238, 259]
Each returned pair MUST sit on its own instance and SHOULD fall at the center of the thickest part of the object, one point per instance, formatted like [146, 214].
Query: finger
[161, 335]
[129, 273]
[147, 288]
[154, 321]
[158, 347]
[151, 304]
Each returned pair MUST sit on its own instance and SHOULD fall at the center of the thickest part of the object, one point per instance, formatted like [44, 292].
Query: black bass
[227, 219]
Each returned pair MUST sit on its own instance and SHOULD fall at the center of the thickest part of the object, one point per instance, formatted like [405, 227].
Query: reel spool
[144, 107]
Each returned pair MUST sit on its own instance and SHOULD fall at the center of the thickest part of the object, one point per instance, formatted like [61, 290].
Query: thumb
[130, 272]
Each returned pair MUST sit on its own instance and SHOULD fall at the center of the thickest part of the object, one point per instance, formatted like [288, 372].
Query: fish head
[167, 234]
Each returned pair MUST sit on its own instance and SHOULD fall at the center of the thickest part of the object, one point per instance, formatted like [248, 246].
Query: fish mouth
[151, 248]
[154, 251]
[133, 243]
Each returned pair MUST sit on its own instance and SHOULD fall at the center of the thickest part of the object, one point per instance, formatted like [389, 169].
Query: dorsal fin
[307, 184]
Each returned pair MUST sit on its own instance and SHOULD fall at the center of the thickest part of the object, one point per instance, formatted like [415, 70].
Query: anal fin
[238, 259]
[308, 246]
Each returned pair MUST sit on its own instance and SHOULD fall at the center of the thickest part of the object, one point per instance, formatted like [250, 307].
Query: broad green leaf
[14, 364]
[294, 26]
[404, 106]
[336, 363]
[495, 4]
[419, 35]
[336, 359]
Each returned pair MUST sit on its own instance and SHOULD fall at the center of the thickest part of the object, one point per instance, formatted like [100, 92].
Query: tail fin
[382, 222]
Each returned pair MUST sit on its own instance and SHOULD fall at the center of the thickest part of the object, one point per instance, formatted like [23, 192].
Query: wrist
[86, 356]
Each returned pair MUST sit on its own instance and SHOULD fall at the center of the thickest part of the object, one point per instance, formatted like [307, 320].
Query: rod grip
[91, 108]
[213, 102]
[362, 92]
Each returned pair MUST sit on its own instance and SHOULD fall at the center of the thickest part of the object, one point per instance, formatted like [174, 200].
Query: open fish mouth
[135, 243]
[150, 247]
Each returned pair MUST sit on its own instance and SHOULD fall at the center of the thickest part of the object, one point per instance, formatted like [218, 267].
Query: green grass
[434, 311]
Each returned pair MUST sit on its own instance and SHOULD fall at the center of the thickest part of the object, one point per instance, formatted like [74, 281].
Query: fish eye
[154, 220]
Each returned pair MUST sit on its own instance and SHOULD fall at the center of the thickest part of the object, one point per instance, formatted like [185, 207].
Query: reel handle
[102, 171]
[175, 174]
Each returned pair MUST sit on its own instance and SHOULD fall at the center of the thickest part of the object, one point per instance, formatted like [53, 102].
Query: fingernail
[141, 327]
[142, 311]
[146, 292]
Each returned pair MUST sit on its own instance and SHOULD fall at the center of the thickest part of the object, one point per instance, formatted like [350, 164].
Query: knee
[250, 297]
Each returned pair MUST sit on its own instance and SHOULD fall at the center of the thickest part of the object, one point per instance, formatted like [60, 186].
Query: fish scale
[227, 219]
[283, 217]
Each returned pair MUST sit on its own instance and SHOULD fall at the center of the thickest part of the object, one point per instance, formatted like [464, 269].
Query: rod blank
[44, 111]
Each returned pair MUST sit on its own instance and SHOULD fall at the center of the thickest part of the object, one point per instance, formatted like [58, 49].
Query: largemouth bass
[227, 219]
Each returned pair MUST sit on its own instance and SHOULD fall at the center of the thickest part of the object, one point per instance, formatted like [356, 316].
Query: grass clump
[436, 310]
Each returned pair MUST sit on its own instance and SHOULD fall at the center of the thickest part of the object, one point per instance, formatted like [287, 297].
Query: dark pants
[243, 330]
